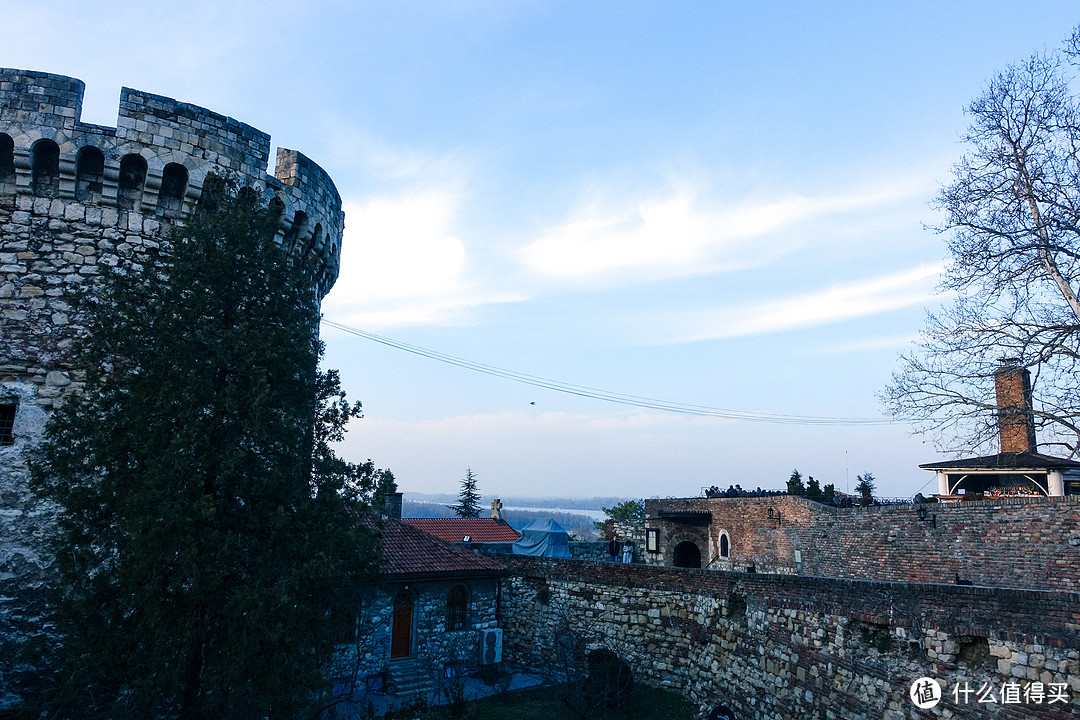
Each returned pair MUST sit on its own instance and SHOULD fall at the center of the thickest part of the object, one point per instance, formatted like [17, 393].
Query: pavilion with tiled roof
[1018, 469]
[1024, 473]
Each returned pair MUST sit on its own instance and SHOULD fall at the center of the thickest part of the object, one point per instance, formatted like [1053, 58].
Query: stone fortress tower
[75, 198]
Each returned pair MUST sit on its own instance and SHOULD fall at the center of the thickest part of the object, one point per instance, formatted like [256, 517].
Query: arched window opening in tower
[314, 241]
[132, 179]
[276, 209]
[299, 227]
[89, 171]
[174, 180]
[248, 194]
[7, 164]
[45, 168]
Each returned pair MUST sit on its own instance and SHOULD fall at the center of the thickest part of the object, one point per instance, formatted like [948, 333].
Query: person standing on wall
[628, 551]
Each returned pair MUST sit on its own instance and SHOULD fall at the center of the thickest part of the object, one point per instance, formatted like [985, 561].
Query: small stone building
[428, 618]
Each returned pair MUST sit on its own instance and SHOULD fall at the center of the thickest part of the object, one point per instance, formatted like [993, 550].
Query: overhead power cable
[607, 396]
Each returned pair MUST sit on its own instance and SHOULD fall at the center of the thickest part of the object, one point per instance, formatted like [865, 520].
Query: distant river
[594, 514]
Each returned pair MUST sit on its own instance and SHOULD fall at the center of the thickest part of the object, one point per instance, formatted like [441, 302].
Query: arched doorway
[687, 555]
[402, 631]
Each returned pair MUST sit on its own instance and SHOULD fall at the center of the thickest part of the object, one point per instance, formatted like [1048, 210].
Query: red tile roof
[411, 553]
[454, 530]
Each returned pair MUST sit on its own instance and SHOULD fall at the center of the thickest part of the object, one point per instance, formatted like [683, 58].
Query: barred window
[457, 603]
[344, 623]
[7, 424]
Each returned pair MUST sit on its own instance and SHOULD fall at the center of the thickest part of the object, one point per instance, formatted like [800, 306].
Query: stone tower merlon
[155, 161]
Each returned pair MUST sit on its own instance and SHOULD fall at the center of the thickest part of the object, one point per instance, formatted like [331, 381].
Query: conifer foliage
[206, 526]
[468, 504]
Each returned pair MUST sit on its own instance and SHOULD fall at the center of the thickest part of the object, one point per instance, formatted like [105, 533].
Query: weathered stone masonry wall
[433, 645]
[1016, 542]
[70, 205]
[782, 647]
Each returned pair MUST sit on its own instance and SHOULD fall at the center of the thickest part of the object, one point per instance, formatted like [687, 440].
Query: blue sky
[712, 203]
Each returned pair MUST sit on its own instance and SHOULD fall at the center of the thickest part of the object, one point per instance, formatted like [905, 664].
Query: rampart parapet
[155, 161]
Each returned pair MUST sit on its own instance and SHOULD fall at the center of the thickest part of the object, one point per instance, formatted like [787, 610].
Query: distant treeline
[579, 525]
[593, 503]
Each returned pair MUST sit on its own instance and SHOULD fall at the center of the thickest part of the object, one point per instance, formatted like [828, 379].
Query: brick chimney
[1016, 423]
[393, 506]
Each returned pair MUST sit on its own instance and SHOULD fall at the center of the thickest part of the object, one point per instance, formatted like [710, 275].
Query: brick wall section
[1016, 425]
[778, 647]
[1016, 542]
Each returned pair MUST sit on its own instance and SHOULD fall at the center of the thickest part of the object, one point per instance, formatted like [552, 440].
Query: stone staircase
[407, 677]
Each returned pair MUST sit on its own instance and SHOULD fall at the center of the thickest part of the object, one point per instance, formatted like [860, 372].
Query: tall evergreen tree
[206, 527]
[385, 486]
[795, 484]
[828, 494]
[468, 504]
[866, 487]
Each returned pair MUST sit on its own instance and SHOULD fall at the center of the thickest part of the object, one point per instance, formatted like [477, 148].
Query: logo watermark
[927, 692]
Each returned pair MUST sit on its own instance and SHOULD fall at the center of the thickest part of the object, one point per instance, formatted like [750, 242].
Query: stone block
[57, 378]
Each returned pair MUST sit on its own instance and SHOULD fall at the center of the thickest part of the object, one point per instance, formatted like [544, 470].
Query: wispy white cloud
[403, 246]
[873, 296]
[393, 165]
[676, 234]
[403, 263]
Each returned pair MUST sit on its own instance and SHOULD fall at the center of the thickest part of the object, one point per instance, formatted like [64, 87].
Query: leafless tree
[368, 636]
[592, 667]
[1012, 218]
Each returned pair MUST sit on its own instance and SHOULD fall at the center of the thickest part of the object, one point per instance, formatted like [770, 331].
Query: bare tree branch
[1012, 219]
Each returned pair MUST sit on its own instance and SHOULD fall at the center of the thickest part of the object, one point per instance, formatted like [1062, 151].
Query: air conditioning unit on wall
[491, 646]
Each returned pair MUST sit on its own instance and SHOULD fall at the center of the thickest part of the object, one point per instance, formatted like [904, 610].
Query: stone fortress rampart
[1003, 542]
[76, 198]
[778, 647]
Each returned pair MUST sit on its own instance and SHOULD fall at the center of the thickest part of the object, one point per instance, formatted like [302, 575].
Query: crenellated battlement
[155, 161]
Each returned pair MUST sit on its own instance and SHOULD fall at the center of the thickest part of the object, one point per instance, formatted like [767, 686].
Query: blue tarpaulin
[543, 538]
